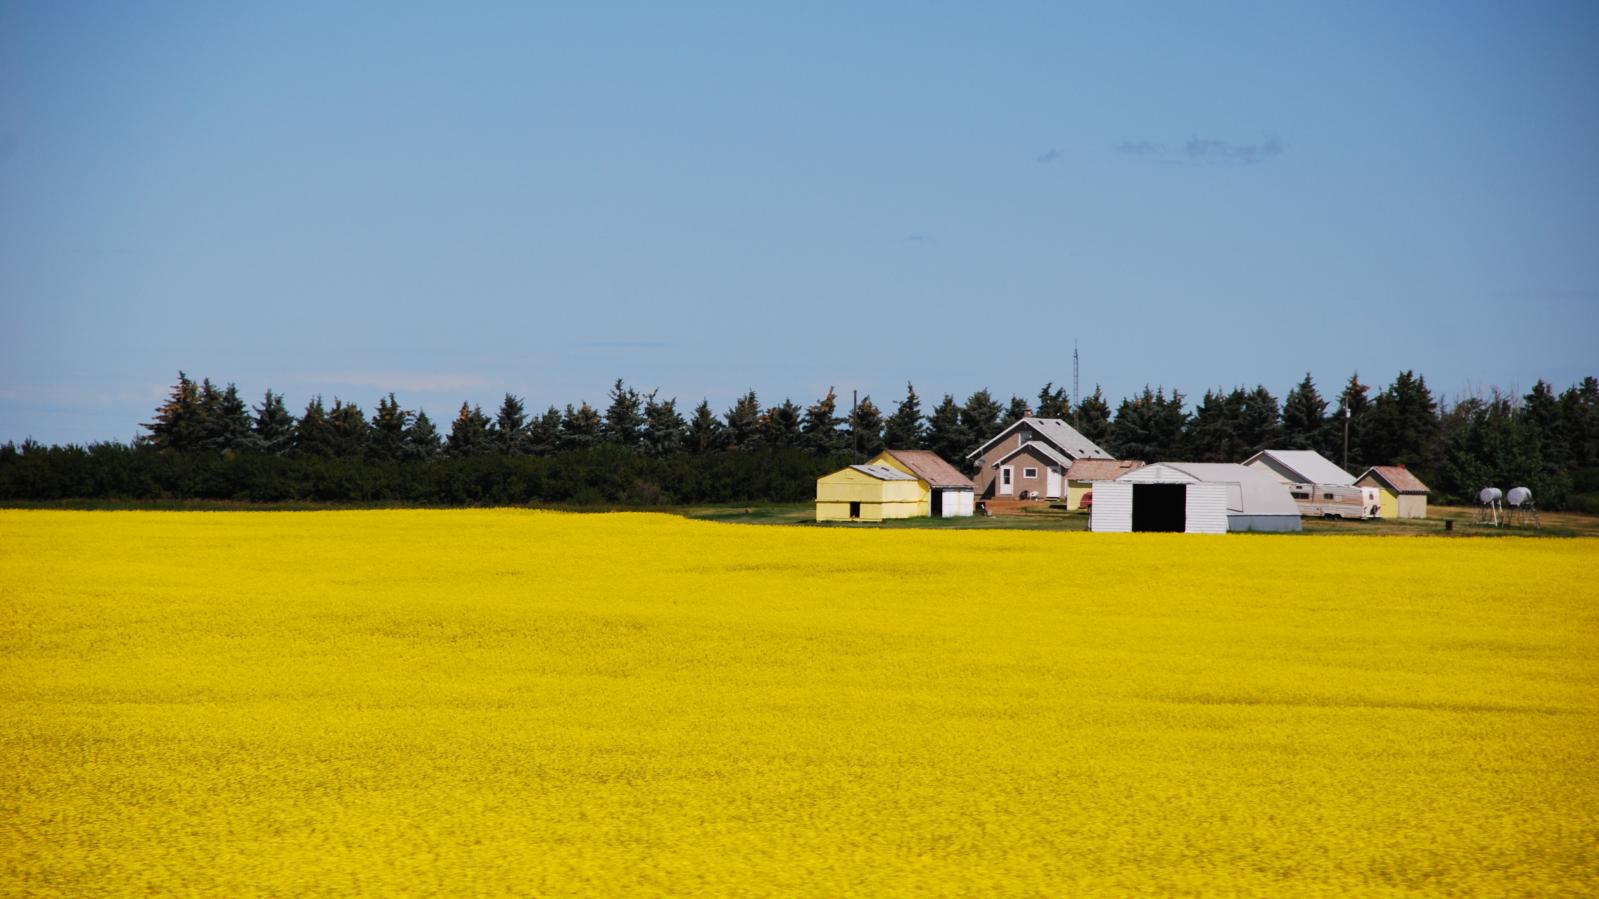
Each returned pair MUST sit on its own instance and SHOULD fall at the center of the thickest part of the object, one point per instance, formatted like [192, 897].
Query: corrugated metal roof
[1055, 430]
[931, 467]
[1310, 466]
[1101, 469]
[884, 472]
[1255, 492]
[1041, 448]
[1399, 478]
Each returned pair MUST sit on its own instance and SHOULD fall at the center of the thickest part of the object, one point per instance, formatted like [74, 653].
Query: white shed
[1195, 498]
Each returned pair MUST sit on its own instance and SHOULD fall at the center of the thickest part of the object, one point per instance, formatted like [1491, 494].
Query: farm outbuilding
[1400, 494]
[868, 493]
[1320, 488]
[1028, 459]
[1081, 476]
[1301, 467]
[1194, 498]
[946, 493]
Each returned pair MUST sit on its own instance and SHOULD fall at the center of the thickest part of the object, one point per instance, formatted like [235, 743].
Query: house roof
[1250, 491]
[931, 467]
[1101, 469]
[1306, 467]
[884, 472]
[1398, 477]
[1056, 431]
[1040, 447]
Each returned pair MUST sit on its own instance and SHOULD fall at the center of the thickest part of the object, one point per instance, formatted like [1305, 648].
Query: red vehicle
[1088, 500]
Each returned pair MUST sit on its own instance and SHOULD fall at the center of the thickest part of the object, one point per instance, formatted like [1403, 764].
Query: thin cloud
[1203, 151]
[407, 381]
[1050, 155]
[919, 238]
[623, 345]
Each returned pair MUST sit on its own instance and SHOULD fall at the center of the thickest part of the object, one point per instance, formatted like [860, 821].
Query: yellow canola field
[499, 703]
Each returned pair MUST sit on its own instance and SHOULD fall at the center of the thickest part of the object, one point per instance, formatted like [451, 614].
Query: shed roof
[884, 472]
[1054, 430]
[1101, 469]
[1250, 490]
[1397, 477]
[1307, 466]
[931, 467]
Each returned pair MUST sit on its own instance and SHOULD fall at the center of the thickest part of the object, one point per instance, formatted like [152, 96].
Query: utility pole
[1346, 435]
[1077, 390]
[854, 432]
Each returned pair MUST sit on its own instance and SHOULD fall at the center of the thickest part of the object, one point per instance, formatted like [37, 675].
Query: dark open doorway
[937, 510]
[854, 510]
[1160, 507]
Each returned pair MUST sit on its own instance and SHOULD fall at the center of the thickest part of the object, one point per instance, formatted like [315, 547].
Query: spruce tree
[1093, 417]
[1352, 417]
[1258, 423]
[544, 434]
[228, 426]
[1149, 427]
[422, 442]
[819, 431]
[946, 432]
[624, 419]
[866, 428]
[347, 424]
[387, 440]
[903, 430]
[664, 427]
[509, 431]
[1304, 416]
[1540, 409]
[1053, 402]
[1016, 411]
[313, 434]
[744, 422]
[1404, 423]
[980, 418]
[780, 425]
[1212, 430]
[705, 432]
[178, 421]
[469, 433]
[581, 428]
[274, 426]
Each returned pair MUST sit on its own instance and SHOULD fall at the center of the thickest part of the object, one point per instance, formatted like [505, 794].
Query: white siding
[966, 498]
[1152, 474]
[1113, 507]
[1207, 508]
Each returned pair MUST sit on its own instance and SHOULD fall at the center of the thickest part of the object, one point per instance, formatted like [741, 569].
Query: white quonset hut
[1194, 498]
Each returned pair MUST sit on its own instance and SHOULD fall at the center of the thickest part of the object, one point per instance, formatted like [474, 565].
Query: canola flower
[514, 703]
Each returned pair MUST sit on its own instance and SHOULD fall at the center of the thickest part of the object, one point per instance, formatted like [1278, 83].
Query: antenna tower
[1077, 390]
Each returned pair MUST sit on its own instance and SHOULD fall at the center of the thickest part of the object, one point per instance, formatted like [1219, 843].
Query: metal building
[1194, 498]
[868, 493]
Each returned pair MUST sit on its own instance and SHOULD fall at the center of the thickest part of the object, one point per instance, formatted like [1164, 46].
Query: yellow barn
[868, 493]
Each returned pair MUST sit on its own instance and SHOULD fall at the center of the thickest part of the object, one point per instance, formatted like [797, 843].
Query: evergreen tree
[208, 435]
[1093, 417]
[1304, 417]
[544, 434]
[387, 440]
[866, 428]
[178, 421]
[980, 418]
[1352, 417]
[903, 430]
[1259, 420]
[581, 428]
[1053, 402]
[1404, 424]
[780, 426]
[1213, 431]
[744, 422]
[705, 430]
[469, 433]
[348, 427]
[313, 433]
[1149, 427]
[1579, 413]
[624, 420]
[508, 431]
[946, 432]
[819, 431]
[422, 442]
[228, 426]
[274, 426]
[1016, 411]
[1541, 411]
[664, 427]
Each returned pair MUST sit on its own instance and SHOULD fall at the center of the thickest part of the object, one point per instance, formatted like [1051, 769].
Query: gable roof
[1306, 467]
[1250, 491]
[884, 472]
[931, 467]
[1101, 469]
[1054, 431]
[1040, 447]
[1398, 477]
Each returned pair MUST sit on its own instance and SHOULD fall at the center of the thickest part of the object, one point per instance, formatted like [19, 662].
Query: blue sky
[453, 201]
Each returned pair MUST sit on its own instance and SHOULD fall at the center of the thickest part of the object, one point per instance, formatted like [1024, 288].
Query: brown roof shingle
[1397, 477]
[931, 467]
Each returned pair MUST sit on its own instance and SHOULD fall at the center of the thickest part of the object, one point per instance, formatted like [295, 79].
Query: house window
[1326, 496]
[1030, 473]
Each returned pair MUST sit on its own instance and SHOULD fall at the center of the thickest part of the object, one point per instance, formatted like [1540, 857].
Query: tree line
[206, 441]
